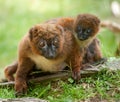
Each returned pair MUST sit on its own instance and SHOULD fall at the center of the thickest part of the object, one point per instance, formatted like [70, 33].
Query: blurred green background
[17, 16]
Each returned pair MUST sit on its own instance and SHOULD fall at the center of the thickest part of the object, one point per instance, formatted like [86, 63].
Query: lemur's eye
[89, 30]
[41, 43]
[79, 28]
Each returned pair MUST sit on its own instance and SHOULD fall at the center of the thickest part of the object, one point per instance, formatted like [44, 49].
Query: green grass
[6, 92]
[104, 85]
[17, 16]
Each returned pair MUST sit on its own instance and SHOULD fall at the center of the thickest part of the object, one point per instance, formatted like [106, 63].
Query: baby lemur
[85, 28]
[52, 45]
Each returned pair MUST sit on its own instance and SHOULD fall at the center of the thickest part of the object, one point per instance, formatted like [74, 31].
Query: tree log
[114, 27]
[37, 77]
[28, 99]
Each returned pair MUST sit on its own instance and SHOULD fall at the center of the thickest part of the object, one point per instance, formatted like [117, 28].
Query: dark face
[47, 40]
[83, 33]
[86, 26]
[49, 47]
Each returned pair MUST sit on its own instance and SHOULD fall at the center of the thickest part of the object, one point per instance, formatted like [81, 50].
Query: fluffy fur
[84, 28]
[47, 47]
[92, 52]
[67, 41]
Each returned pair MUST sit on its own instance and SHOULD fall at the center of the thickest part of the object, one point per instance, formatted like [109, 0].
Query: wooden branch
[28, 99]
[59, 75]
[86, 72]
[114, 27]
[50, 77]
[7, 84]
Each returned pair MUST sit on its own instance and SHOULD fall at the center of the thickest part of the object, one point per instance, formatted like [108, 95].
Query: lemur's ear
[61, 29]
[33, 32]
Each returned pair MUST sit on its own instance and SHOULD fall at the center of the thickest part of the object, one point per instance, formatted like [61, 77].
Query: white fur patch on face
[48, 64]
[84, 43]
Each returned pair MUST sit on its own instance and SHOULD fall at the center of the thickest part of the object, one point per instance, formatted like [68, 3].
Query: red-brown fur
[30, 56]
[10, 70]
[71, 49]
[87, 46]
[93, 52]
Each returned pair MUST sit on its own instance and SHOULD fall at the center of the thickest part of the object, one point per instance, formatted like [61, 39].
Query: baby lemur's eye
[79, 28]
[41, 43]
[89, 30]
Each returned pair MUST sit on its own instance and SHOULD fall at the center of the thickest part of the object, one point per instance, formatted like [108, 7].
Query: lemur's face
[47, 40]
[83, 33]
[86, 26]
